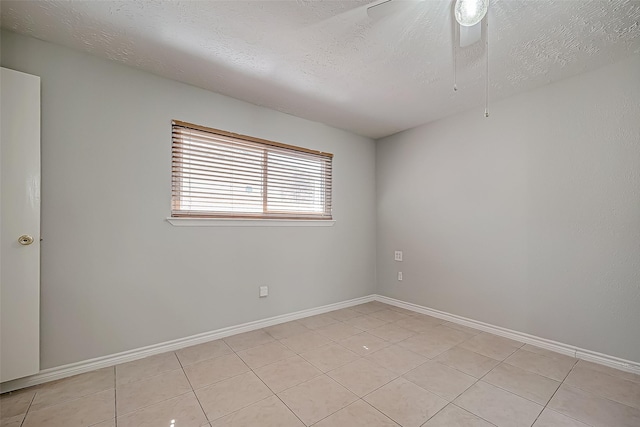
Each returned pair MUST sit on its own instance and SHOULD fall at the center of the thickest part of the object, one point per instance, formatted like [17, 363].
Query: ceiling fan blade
[470, 35]
[385, 8]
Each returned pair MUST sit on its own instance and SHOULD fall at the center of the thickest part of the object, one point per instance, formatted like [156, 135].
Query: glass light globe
[470, 12]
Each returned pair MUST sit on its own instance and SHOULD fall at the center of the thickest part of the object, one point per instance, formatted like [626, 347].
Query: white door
[20, 225]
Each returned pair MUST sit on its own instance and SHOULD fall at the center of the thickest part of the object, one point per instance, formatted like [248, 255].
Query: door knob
[25, 240]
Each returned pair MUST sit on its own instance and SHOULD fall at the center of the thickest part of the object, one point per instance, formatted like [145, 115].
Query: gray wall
[117, 276]
[529, 219]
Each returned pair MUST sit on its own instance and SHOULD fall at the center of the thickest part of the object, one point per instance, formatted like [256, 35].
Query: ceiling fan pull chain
[456, 43]
[486, 81]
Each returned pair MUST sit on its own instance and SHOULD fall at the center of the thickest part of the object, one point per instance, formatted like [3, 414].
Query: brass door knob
[25, 240]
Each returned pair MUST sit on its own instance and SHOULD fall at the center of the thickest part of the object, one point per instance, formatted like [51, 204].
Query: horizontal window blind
[218, 174]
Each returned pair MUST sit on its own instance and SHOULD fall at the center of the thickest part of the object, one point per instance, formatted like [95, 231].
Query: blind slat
[223, 175]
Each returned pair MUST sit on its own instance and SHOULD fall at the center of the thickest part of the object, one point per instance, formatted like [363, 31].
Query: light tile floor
[370, 365]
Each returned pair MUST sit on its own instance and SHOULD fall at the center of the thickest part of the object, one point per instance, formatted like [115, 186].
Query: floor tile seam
[554, 394]
[154, 403]
[373, 406]
[510, 392]
[372, 391]
[115, 367]
[327, 416]
[575, 361]
[486, 355]
[115, 394]
[24, 415]
[355, 401]
[192, 390]
[153, 376]
[253, 368]
[340, 339]
[288, 336]
[279, 361]
[379, 411]
[607, 373]
[325, 372]
[602, 397]
[565, 415]
[157, 374]
[219, 380]
[559, 359]
[104, 421]
[477, 415]
[206, 358]
[523, 397]
[406, 379]
[249, 348]
[270, 363]
[66, 401]
[456, 369]
[285, 403]
[437, 394]
[295, 385]
[380, 365]
[615, 377]
[115, 404]
[437, 412]
[434, 361]
[237, 410]
[534, 372]
[404, 348]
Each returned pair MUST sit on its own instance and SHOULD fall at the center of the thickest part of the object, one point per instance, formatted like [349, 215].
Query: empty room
[401, 213]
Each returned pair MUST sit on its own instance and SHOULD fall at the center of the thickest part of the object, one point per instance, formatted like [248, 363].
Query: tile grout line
[24, 419]
[321, 373]
[193, 390]
[515, 394]
[598, 395]
[556, 391]
[477, 381]
[482, 377]
[378, 410]
[271, 390]
[249, 370]
[115, 397]
[475, 415]
[587, 392]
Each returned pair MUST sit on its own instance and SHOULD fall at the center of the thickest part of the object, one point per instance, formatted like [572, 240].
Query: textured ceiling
[328, 61]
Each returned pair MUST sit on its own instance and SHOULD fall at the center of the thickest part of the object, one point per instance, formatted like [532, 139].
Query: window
[217, 174]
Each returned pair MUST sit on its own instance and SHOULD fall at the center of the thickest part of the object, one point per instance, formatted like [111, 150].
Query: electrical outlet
[400, 276]
[398, 256]
[264, 291]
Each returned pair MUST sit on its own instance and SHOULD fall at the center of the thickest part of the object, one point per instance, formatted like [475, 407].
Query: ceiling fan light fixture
[470, 12]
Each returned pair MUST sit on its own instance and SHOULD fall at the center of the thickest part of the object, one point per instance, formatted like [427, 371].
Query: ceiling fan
[470, 23]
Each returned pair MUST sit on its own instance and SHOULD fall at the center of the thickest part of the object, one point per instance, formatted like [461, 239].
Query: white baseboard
[580, 353]
[71, 369]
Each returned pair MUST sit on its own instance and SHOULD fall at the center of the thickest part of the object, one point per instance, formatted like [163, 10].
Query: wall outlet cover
[264, 291]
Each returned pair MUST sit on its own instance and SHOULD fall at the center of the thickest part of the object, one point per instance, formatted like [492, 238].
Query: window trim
[248, 222]
[247, 219]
